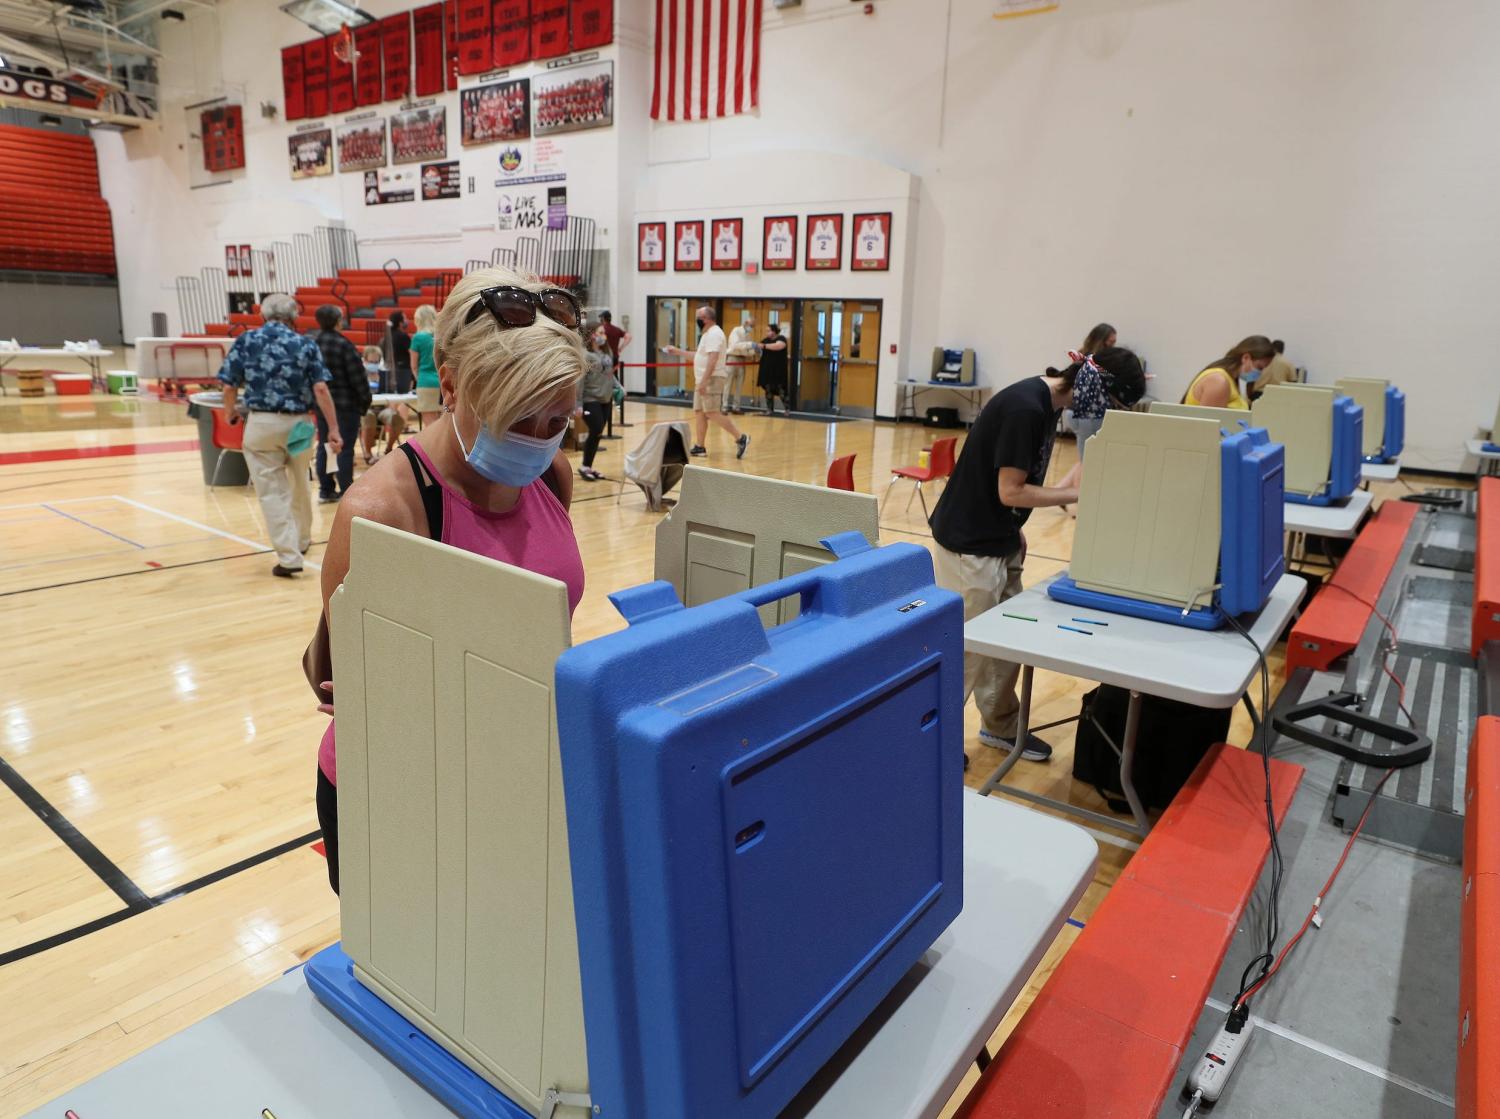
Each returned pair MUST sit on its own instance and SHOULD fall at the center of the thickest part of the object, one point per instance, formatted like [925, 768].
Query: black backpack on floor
[1172, 740]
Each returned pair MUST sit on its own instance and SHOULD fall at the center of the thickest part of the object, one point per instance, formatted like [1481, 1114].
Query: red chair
[227, 437]
[841, 473]
[939, 465]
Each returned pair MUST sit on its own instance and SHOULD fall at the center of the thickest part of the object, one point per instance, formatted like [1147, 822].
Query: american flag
[707, 59]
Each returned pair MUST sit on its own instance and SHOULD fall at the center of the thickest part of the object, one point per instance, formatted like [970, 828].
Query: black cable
[1262, 963]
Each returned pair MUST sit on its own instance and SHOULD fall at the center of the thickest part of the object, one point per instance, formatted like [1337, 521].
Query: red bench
[1486, 624]
[1478, 1094]
[1109, 1030]
[1336, 618]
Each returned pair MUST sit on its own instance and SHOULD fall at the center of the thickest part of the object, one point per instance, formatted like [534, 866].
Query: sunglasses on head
[514, 307]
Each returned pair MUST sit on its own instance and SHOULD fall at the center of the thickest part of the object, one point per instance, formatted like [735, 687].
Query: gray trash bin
[201, 406]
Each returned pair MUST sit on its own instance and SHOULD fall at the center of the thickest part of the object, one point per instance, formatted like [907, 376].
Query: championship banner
[294, 103]
[395, 45]
[593, 24]
[418, 134]
[315, 77]
[340, 81]
[427, 34]
[474, 50]
[549, 28]
[450, 38]
[512, 30]
[361, 145]
[369, 88]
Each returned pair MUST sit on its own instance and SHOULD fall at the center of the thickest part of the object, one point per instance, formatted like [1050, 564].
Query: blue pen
[1075, 629]
[1090, 622]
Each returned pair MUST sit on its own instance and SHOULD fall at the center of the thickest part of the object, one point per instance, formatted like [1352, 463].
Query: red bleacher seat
[1336, 618]
[1109, 1030]
[1478, 1095]
[64, 225]
[1486, 622]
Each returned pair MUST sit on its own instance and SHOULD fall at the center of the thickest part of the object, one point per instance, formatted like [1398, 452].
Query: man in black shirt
[349, 386]
[996, 483]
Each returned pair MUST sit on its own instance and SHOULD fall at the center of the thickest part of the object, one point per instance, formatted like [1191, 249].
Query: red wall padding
[52, 217]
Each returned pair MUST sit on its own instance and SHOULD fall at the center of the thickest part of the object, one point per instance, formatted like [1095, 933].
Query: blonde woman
[489, 477]
[427, 375]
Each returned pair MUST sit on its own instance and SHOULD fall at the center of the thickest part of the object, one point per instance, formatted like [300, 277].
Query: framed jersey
[779, 246]
[687, 239]
[872, 243]
[729, 235]
[825, 242]
[651, 246]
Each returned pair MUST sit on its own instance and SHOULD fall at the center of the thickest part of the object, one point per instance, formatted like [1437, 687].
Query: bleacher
[52, 216]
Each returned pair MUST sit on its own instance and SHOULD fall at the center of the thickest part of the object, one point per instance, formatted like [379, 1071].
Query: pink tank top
[535, 534]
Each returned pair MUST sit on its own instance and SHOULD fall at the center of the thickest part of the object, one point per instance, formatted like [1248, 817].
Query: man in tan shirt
[1278, 372]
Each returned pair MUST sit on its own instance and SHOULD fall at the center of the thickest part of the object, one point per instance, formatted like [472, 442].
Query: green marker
[1018, 617]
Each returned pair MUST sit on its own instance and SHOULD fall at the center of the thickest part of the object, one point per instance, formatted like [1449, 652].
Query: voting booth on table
[1323, 433]
[627, 879]
[733, 531]
[1492, 445]
[1384, 407]
[1179, 518]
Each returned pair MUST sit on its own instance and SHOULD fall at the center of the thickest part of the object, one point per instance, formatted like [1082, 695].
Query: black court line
[148, 903]
[95, 859]
[145, 571]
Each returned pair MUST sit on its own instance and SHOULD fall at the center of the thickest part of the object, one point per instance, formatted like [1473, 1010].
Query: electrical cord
[1391, 648]
[1266, 960]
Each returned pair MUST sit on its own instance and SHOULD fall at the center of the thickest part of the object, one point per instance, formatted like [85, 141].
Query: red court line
[15, 458]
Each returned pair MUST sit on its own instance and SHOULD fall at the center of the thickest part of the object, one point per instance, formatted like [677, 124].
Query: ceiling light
[327, 16]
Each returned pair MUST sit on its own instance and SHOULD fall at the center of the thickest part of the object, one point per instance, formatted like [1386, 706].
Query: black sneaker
[327, 498]
[1035, 750]
[285, 572]
[698, 450]
[742, 442]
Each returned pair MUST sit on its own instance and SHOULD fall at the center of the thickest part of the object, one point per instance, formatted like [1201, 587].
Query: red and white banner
[707, 59]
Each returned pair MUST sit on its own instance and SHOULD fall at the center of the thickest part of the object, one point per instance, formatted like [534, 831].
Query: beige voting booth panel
[1369, 394]
[1300, 418]
[1148, 510]
[456, 891]
[730, 532]
[1232, 420]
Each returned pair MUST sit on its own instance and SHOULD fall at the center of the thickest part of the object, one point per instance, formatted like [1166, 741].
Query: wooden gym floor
[153, 700]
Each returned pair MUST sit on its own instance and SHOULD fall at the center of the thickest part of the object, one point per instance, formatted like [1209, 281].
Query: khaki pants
[280, 484]
[985, 582]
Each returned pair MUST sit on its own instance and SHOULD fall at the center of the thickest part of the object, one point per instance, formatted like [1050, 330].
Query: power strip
[1209, 1078]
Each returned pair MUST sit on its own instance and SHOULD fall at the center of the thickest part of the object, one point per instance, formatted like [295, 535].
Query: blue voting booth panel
[1348, 454]
[1394, 440]
[1252, 554]
[765, 826]
[1252, 484]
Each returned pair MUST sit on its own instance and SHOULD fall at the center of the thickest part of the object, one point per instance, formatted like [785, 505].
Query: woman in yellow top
[1218, 385]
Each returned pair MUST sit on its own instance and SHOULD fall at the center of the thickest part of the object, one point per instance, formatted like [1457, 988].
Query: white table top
[38, 351]
[280, 1049]
[1211, 668]
[1380, 471]
[1475, 447]
[965, 386]
[393, 397]
[1341, 521]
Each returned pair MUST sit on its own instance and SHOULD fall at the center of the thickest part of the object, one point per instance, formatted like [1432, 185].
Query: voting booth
[730, 532]
[1492, 445]
[1323, 433]
[1384, 407]
[627, 879]
[1179, 519]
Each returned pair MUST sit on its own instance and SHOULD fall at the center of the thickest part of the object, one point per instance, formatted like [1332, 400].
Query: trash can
[201, 406]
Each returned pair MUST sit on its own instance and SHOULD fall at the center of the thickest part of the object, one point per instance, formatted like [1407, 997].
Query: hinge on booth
[555, 1099]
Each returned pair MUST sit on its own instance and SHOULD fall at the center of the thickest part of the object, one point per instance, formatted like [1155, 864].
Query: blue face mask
[1250, 376]
[511, 460]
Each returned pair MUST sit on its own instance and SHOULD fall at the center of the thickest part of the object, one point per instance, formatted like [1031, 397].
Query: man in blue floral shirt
[282, 374]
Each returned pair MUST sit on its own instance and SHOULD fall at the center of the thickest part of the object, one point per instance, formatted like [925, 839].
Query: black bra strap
[432, 493]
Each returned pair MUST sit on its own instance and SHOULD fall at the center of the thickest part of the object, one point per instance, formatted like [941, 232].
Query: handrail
[390, 275]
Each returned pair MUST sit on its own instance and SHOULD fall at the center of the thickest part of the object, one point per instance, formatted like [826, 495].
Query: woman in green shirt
[429, 398]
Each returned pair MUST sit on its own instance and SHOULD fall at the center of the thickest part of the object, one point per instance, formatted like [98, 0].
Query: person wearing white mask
[490, 478]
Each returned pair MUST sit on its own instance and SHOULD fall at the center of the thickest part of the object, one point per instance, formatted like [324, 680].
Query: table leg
[1127, 759]
[1023, 720]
